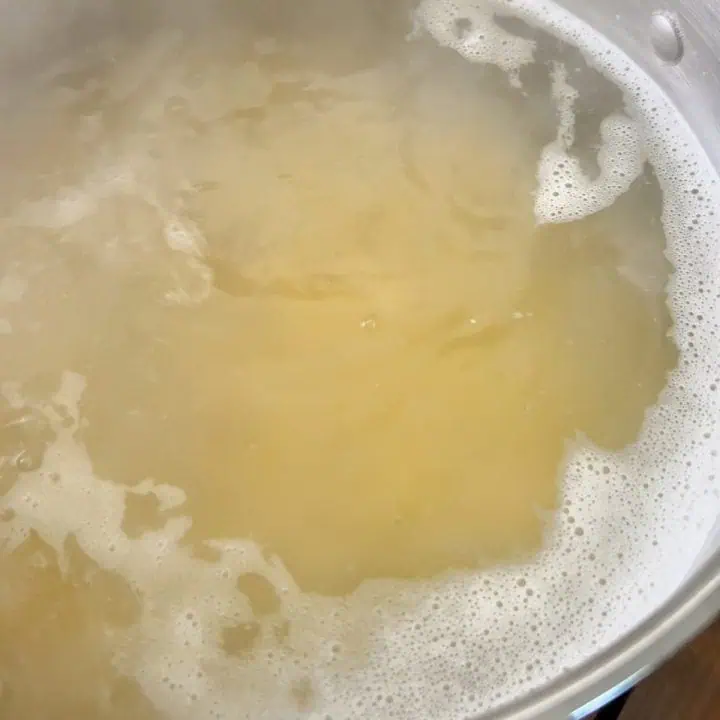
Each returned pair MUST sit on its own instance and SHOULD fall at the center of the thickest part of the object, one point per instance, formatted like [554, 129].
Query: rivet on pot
[666, 36]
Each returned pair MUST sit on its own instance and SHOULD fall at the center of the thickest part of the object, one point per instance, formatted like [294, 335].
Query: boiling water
[354, 307]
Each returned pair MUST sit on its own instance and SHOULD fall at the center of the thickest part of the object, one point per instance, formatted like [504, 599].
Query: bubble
[209, 611]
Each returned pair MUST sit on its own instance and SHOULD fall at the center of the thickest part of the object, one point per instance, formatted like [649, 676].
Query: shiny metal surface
[693, 85]
[35, 32]
[666, 36]
[596, 682]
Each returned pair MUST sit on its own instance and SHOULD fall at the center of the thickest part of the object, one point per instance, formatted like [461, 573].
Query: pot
[677, 44]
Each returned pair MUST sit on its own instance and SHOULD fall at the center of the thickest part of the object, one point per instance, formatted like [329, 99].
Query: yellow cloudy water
[314, 299]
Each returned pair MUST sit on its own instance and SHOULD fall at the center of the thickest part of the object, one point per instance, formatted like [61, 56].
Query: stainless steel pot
[677, 43]
[680, 51]
[607, 675]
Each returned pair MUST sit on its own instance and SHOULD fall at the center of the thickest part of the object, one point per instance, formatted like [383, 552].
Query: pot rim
[635, 655]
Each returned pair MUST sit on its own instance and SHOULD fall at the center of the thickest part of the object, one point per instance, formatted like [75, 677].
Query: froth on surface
[626, 557]
[460, 644]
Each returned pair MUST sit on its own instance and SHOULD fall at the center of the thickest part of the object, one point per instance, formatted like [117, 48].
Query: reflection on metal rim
[585, 688]
[693, 83]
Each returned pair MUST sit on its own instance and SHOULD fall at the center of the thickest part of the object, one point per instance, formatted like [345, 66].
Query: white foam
[470, 29]
[463, 643]
[565, 96]
[566, 193]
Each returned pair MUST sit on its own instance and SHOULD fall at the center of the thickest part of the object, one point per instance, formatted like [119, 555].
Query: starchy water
[291, 324]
